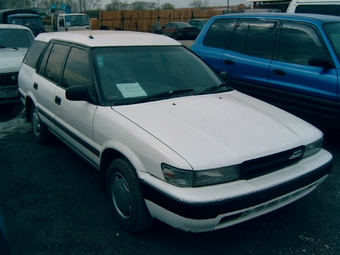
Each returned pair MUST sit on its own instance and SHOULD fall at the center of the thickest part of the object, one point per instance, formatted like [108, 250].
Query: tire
[127, 200]
[40, 131]
[175, 36]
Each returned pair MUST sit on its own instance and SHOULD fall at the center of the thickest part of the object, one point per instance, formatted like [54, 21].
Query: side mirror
[225, 77]
[78, 93]
[320, 62]
[61, 23]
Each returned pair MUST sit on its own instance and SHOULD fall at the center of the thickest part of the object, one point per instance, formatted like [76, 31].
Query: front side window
[254, 38]
[219, 33]
[299, 42]
[77, 69]
[127, 75]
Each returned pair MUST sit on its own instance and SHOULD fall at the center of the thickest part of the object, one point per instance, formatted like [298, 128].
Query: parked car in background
[170, 139]
[288, 60]
[14, 42]
[327, 7]
[24, 17]
[198, 23]
[179, 30]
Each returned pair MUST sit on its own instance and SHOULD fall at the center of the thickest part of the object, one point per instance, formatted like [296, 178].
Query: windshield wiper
[166, 94]
[3, 47]
[216, 88]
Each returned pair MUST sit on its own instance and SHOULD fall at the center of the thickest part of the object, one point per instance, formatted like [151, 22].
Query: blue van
[288, 60]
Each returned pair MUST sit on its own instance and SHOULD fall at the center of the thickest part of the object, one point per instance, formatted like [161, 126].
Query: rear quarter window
[33, 53]
[219, 33]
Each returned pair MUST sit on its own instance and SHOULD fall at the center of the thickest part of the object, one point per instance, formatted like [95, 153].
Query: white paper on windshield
[131, 89]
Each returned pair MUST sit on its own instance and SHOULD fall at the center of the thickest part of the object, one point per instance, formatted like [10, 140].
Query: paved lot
[52, 205]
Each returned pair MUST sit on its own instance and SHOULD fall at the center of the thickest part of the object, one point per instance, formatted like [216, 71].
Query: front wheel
[40, 131]
[126, 196]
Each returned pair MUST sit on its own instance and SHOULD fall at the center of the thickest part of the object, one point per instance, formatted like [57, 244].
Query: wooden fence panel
[145, 21]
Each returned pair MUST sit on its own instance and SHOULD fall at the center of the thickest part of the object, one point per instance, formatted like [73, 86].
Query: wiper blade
[216, 88]
[5, 47]
[166, 94]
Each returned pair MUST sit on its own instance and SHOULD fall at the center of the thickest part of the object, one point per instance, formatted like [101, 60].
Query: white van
[328, 7]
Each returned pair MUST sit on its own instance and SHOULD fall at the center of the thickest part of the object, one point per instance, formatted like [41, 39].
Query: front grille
[260, 166]
[8, 79]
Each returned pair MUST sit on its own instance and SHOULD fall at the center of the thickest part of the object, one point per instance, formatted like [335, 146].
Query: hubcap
[121, 196]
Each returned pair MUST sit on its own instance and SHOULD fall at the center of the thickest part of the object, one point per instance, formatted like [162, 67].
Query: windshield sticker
[131, 90]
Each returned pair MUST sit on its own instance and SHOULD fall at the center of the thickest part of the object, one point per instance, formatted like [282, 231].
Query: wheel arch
[28, 104]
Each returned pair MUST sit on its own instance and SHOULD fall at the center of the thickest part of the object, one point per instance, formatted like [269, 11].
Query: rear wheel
[127, 200]
[40, 131]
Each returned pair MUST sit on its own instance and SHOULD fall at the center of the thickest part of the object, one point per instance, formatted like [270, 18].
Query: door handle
[57, 100]
[229, 62]
[279, 72]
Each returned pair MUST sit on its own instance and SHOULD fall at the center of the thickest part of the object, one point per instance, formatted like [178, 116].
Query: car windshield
[77, 20]
[333, 33]
[15, 38]
[128, 75]
[26, 21]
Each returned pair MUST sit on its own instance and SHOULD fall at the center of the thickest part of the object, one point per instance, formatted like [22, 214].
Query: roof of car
[100, 38]
[12, 26]
[293, 16]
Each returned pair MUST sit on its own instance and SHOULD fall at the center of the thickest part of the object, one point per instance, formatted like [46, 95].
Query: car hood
[11, 59]
[220, 129]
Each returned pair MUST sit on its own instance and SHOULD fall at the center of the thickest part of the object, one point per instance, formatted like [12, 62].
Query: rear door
[294, 84]
[249, 54]
[47, 79]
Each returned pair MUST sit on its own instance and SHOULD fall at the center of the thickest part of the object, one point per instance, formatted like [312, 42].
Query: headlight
[313, 148]
[189, 178]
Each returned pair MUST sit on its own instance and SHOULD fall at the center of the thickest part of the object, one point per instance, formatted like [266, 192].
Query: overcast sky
[184, 3]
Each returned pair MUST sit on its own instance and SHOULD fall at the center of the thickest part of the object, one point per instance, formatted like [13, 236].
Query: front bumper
[213, 207]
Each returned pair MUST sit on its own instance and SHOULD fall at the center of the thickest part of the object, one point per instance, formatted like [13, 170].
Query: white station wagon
[170, 139]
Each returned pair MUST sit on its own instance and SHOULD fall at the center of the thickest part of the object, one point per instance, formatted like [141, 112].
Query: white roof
[12, 26]
[98, 38]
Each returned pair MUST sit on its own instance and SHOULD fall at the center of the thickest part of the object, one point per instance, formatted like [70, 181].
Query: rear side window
[254, 38]
[52, 62]
[77, 69]
[219, 33]
[33, 53]
[329, 9]
[298, 43]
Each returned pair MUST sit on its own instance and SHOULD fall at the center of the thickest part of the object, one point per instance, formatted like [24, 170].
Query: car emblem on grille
[13, 77]
[296, 154]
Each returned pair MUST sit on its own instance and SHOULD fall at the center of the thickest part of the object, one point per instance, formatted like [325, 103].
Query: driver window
[298, 43]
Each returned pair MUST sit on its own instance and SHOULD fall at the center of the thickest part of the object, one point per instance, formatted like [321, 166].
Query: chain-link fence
[14, 42]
